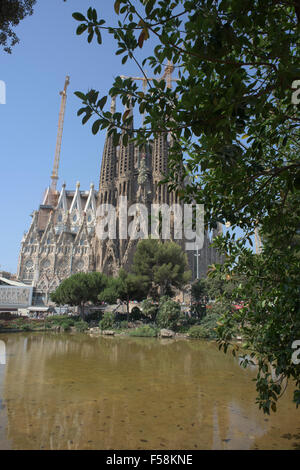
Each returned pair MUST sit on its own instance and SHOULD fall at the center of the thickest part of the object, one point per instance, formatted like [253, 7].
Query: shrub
[120, 325]
[81, 326]
[198, 310]
[65, 326]
[150, 309]
[206, 328]
[169, 313]
[145, 330]
[107, 321]
[59, 319]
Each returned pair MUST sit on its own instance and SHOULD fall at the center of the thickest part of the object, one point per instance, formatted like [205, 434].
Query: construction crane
[167, 75]
[54, 175]
[258, 244]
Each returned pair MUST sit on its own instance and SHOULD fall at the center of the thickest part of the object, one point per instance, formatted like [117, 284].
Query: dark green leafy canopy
[126, 287]
[80, 288]
[163, 265]
[11, 13]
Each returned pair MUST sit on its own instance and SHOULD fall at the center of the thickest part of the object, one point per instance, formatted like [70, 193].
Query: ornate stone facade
[59, 241]
[14, 295]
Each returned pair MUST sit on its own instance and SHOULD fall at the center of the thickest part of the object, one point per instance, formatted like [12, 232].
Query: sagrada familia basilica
[62, 238]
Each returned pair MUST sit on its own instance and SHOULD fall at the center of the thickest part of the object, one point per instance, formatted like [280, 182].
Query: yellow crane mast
[54, 175]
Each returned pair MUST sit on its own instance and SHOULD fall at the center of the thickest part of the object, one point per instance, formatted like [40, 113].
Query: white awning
[38, 309]
[9, 282]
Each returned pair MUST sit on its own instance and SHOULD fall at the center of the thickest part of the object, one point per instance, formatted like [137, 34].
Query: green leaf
[94, 14]
[116, 138]
[96, 125]
[125, 139]
[78, 16]
[297, 181]
[90, 36]
[149, 6]
[81, 28]
[101, 103]
[81, 111]
[86, 118]
[99, 37]
[80, 95]
[90, 13]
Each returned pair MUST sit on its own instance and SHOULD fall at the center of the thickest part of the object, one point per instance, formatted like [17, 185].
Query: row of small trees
[158, 269]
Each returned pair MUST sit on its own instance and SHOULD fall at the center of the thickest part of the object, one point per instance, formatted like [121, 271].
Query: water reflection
[63, 391]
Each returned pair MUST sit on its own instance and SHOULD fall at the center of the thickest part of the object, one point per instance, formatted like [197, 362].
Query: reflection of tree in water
[72, 391]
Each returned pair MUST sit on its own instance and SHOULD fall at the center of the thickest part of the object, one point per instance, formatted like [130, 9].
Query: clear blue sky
[34, 74]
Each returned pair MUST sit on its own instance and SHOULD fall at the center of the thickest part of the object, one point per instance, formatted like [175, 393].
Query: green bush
[169, 313]
[145, 330]
[65, 326]
[81, 326]
[107, 321]
[150, 309]
[120, 325]
[206, 328]
[59, 319]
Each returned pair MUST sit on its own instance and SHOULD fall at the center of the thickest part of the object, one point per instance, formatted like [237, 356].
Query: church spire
[108, 164]
[126, 152]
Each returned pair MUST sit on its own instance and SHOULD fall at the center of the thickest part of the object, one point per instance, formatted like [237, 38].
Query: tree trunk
[127, 304]
[82, 311]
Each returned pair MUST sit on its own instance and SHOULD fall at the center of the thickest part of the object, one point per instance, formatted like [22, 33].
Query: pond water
[73, 391]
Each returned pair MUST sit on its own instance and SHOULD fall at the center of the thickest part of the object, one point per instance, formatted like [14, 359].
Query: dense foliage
[79, 289]
[169, 313]
[107, 321]
[144, 331]
[207, 327]
[11, 13]
[125, 287]
[234, 126]
[150, 308]
[162, 265]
